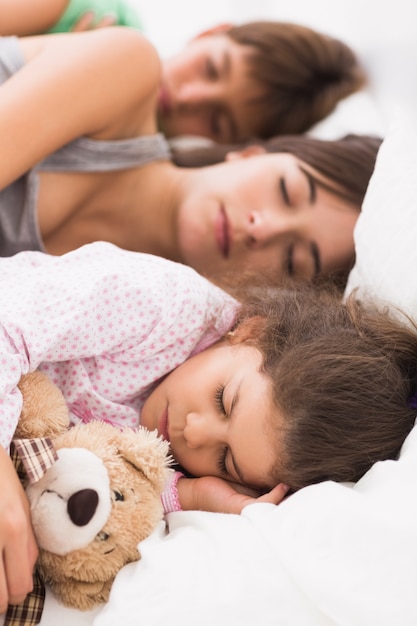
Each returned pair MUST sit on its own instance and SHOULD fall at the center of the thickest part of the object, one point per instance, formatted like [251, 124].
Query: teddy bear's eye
[118, 496]
[102, 536]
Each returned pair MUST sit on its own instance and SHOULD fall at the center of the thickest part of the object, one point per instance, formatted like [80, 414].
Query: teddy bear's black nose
[82, 506]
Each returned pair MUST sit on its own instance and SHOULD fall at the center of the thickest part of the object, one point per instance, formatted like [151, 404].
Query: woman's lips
[163, 425]
[222, 233]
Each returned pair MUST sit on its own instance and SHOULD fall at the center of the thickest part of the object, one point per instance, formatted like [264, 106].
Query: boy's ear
[249, 151]
[215, 30]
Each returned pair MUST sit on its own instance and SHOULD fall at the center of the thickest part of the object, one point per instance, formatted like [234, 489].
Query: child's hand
[87, 22]
[17, 542]
[219, 496]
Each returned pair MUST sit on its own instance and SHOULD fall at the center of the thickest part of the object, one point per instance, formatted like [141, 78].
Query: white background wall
[169, 23]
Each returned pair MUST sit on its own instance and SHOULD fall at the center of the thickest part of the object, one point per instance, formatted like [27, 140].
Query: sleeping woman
[84, 162]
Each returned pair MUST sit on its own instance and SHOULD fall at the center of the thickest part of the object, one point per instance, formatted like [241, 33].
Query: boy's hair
[304, 72]
[342, 374]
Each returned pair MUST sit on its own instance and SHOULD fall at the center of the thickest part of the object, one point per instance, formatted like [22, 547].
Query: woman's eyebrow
[311, 183]
[284, 191]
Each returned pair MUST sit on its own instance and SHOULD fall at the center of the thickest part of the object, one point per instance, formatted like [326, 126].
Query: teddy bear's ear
[148, 453]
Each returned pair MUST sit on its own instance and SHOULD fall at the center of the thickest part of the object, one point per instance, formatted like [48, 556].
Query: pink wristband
[169, 497]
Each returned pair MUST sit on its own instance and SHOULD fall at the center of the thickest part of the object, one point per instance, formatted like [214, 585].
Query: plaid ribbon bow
[29, 612]
[31, 457]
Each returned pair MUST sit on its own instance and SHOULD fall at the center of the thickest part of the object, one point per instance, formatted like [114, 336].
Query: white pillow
[358, 113]
[386, 231]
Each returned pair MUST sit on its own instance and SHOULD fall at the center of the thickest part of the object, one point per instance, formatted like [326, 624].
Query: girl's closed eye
[221, 464]
[219, 399]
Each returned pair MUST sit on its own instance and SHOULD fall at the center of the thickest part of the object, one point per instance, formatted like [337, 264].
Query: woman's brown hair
[347, 163]
[342, 377]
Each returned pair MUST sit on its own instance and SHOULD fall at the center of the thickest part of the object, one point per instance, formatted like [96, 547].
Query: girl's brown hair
[342, 376]
[304, 74]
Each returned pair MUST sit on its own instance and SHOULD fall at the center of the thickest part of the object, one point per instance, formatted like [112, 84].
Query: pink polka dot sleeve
[105, 324]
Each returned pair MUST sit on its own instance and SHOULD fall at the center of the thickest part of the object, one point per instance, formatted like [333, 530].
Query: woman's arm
[29, 17]
[101, 84]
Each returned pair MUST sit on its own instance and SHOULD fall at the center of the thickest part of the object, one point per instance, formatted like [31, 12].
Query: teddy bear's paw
[44, 412]
[82, 595]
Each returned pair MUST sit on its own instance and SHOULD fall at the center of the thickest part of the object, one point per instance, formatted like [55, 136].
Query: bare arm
[29, 17]
[17, 543]
[219, 496]
[101, 84]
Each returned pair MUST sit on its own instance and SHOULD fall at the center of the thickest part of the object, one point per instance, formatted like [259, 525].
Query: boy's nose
[197, 94]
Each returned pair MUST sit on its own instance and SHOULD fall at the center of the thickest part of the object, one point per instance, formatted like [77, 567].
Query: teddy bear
[98, 499]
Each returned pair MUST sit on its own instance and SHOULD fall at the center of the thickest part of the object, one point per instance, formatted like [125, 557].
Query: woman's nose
[199, 430]
[264, 226]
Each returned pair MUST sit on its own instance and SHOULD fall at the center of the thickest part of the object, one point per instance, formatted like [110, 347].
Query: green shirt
[125, 13]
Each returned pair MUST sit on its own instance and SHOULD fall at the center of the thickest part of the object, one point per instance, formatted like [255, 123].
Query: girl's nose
[198, 431]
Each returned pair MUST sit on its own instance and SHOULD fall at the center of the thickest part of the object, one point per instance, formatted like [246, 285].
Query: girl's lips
[163, 425]
[222, 233]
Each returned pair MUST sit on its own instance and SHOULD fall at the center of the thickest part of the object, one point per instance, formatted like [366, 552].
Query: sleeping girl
[260, 393]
